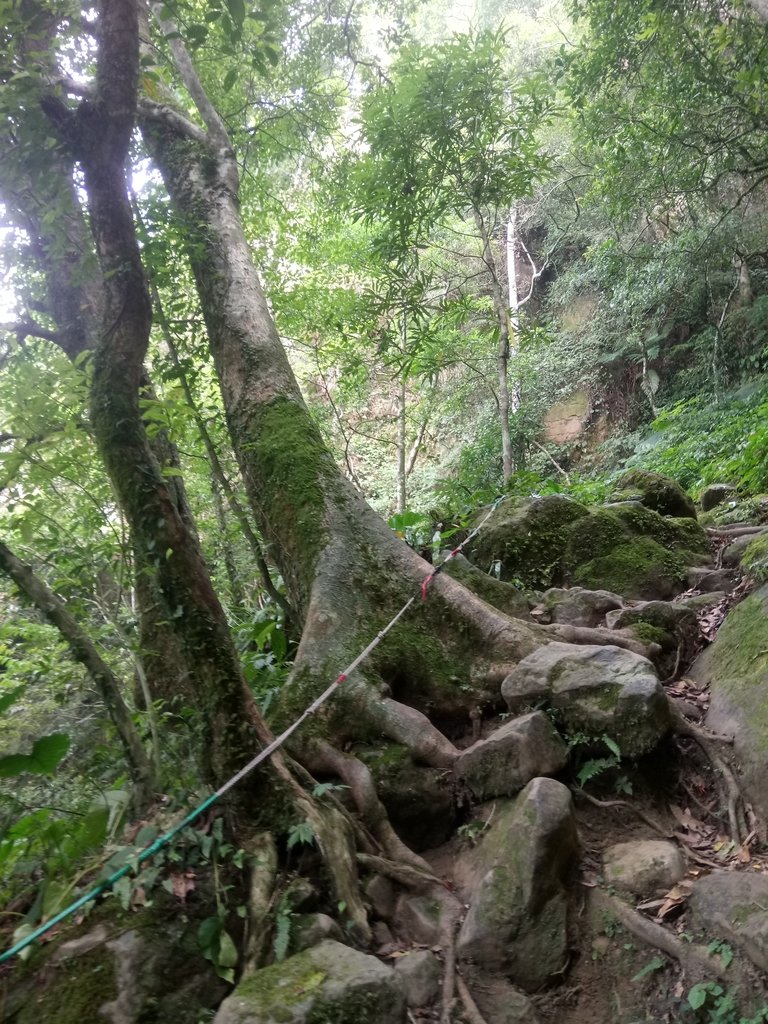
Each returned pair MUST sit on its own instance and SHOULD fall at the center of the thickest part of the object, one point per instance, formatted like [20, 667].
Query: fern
[282, 930]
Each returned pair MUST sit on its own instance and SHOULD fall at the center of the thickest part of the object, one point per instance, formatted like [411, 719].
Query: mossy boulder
[657, 492]
[575, 606]
[328, 984]
[517, 921]
[633, 551]
[715, 495]
[735, 668]
[144, 968]
[525, 540]
[626, 549]
[595, 690]
[518, 751]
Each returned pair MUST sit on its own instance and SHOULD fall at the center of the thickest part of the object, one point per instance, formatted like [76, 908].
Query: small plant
[472, 831]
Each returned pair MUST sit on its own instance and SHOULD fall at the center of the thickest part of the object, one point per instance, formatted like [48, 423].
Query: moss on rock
[657, 492]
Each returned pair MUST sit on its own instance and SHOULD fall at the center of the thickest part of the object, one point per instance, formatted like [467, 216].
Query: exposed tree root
[693, 959]
[599, 636]
[731, 792]
[323, 757]
[471, 1010]
[659, 829]
[262, 884]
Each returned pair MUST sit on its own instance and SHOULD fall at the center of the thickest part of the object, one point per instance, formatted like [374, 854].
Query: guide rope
[263, 754]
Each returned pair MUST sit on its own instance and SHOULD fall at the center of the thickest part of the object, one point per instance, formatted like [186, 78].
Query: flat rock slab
[520, 750]
[329, 982]
[517, 920]
[598, 690]
[645, 867]
[734, 905]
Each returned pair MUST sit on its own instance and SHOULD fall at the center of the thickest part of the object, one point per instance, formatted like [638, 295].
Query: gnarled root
[262, 884]
[731, 792]
[693, 958]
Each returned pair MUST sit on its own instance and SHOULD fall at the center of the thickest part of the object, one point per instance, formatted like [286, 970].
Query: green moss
[660, 493]
[73, 990]
[740, 662]
[640, 568]
[755, 558]
[528, 540]
[648, 634]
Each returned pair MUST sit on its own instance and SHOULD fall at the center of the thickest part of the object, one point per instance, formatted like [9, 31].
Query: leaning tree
[345, 572]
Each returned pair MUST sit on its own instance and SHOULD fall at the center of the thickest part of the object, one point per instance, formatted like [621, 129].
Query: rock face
[735, 668]
[578, 607]
[732, 905]
[511, 756]
[328, 983]
[658, 492]
[715, 495]
[645, 867]
[738, 548]
[595, 690]
[516, 923]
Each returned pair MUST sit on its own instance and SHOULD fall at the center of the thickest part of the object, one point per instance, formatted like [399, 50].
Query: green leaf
[227, 951]
[653, 965]
[236, 10]
[46, 754]
[11, 697]
[230, 78]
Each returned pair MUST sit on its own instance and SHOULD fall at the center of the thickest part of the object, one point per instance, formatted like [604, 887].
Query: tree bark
[502, 358]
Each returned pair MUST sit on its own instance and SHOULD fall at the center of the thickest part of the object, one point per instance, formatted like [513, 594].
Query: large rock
[735, 669]
[673, 626]
[597, 690]
[517, 921]
[734, 906]
[644, 867]
[123, 968]
[633, 551]
[510, 757]
[328, 983]
[626, 549]
[739, 547]
[575, 606]
[419, 973]
[526, 539]
[716, 494]
[658, 492]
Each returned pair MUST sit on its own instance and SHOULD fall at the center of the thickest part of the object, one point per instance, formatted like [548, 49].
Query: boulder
[657, 492]
[575, 606]
[738, 548]
[499, 1001]
[515, 753]
[633, 551]
[381, 893]
[627, 550]
[716, 494]
[309, 929]
[329, 982]
[517, 920]
[127, 968]
[732, 905]
[672, 626]
[735, 669]
[527, 539]
[709, 581]
[597, 690]
[644, 867]
[420, 973]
